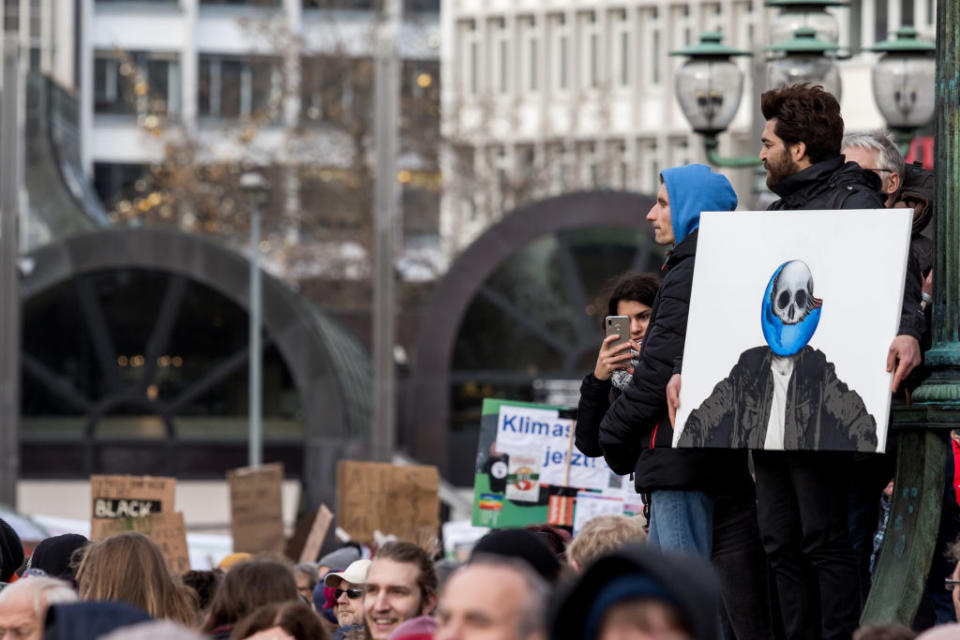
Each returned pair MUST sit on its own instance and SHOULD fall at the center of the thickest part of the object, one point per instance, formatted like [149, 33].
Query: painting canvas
[791, 317]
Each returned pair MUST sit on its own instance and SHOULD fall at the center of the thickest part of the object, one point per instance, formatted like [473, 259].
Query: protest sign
[256, 508]
[167, 530]
[130, 496]
[529, 471]
[401, 500]
[318, 532]
[808, 315]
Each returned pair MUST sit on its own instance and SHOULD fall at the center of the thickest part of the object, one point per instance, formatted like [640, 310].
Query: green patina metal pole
[923, 427]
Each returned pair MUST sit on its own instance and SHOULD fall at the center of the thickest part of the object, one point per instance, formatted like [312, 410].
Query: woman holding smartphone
[632, 296]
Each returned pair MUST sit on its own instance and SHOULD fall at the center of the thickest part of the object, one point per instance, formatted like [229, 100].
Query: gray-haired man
[876, 152]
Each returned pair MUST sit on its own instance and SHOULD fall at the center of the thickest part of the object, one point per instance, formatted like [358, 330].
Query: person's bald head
[492, 599]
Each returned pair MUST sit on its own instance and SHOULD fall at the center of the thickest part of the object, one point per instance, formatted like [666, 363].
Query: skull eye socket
[801, 298]
[783, 299]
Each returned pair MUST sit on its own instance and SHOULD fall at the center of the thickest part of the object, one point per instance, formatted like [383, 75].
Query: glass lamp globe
[803, 59]
[817, 70]
[903, 80]
[709, 85]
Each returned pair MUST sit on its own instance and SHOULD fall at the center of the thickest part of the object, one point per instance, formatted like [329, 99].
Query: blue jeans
[682, 520]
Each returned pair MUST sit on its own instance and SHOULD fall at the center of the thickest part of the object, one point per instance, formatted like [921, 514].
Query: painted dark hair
[639, 287]
[805, 114]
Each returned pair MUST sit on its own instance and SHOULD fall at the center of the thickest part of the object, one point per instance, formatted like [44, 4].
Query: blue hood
[691, 190]
[785, 339]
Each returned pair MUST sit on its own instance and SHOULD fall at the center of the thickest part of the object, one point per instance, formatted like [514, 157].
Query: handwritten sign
[256, 508]
[400, 500]
[318, 532]
[541, 433]
[167, 530]
[119, 497]
[529, 470]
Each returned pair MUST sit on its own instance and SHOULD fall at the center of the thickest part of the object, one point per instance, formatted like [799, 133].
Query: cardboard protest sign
[529, 471]
[807, 316]
[318, 532]
[402, 500]
[256, 508]
[167, 530]
[130, 496]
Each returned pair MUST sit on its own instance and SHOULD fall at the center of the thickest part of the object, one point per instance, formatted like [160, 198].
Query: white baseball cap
[356, 573]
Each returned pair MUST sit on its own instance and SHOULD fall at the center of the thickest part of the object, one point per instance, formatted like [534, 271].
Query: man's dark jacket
[822, 413]
[835, 184]
[635, 433]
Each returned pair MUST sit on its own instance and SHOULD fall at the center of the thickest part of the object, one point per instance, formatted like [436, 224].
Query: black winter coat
[635, 433]
[835, 184]
[822, 413]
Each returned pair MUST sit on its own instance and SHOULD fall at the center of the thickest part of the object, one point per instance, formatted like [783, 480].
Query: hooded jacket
[11, 551]
[635, 434]
[684, 581]
[836, 184]
[89, 620]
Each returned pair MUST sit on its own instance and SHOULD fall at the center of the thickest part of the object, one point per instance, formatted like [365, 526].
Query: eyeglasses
[950, 583]
[876, 169]
[353, 594]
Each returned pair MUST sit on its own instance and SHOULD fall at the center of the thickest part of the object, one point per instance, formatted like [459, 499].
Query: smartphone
[618, 325]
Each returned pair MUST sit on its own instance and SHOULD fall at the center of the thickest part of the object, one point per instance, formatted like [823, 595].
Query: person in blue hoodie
[701, 501]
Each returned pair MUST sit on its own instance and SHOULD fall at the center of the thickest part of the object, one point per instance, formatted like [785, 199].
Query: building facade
[286, 85]
[545, 98]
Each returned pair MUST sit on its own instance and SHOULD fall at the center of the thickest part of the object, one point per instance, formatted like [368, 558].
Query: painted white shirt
[782, 369]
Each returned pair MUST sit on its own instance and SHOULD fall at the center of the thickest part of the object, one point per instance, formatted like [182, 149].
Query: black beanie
[11, 551]
[53, 554]
[522, 544]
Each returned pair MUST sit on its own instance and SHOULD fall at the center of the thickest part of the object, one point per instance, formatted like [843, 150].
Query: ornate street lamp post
[709, 86]
[910, 540]
[902, 82]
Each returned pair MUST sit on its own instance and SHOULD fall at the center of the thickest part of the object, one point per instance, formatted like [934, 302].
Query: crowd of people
[737, 544]
[607, 582]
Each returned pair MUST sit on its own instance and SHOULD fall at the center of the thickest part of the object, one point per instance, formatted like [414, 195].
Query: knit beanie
[53, 554]
[525, 545]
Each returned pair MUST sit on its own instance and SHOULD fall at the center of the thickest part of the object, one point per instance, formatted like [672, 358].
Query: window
[622, 168]
[470, 56]
[622, 49]
[136, 83]
[259, 3]
[530, 55]
[881, 26]
[649, 56]
[564, 66]
[591, 49]
[474, 68]
[339, 89]
[232, 87]
[560, 40]
[113, 181]
[655, 58]
[504, 78]
[501, 55]
[591, 162]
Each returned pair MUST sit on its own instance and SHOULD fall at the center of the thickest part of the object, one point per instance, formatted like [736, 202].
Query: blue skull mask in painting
[790, 313]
